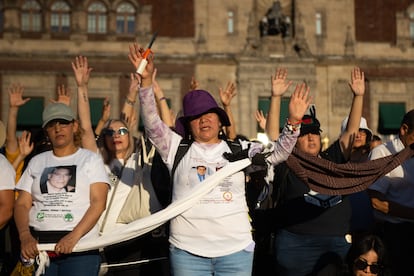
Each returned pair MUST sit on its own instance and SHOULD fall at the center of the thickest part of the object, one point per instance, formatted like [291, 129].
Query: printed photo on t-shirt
[199, 173]
[60, 179]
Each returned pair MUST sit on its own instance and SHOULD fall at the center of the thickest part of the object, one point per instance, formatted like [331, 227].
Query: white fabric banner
[144, 225]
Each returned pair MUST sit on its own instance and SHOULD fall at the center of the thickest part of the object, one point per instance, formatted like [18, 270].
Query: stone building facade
[216, 41]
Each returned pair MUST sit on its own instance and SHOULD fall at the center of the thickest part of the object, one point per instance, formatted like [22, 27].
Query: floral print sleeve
[156, 130]
[281, 148]
[284, 145]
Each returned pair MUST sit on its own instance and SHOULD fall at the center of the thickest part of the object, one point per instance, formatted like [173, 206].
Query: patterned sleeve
[282, 147]
[157, 131]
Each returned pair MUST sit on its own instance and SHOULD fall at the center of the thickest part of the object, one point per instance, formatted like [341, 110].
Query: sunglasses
[61, 122]
[121, 131]
[362, 265]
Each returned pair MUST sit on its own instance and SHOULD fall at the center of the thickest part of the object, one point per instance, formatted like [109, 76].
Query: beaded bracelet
[162, 98]
[128, 101]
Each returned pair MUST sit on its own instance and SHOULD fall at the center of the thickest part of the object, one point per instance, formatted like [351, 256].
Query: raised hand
[106, 110]
[16, 95]
[357, 82]
[260, 118]
[25, 145]
[64, 95]
[194, 84]
[279, 83]
[131, 119]
[136, 56]
[227, 94]
[299, 103]
[81, 70]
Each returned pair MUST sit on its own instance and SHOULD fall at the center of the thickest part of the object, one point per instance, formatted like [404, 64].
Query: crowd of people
[75, 181]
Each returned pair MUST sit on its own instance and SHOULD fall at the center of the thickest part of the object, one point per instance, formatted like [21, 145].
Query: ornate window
[230, 22]
[412, 26]
[97, 18]
[60, 17]
[318, 24]
[31, 16]
[125, 19]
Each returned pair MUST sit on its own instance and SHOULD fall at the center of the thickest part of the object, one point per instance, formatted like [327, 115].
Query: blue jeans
[184, 263]
[75, 264]
[299, 255]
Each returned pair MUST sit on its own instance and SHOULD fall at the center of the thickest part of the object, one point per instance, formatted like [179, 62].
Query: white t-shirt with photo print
[62, 211]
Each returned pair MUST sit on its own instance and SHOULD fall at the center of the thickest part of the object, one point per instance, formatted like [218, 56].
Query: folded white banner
[144, 225]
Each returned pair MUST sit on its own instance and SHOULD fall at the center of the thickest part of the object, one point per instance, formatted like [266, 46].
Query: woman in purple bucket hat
[213, 237]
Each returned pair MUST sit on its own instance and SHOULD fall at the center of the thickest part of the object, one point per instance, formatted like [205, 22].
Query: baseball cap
[56, 111]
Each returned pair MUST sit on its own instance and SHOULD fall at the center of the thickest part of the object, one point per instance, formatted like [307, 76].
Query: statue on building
[275, 22]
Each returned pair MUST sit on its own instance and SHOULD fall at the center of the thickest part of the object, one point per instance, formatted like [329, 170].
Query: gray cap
[57, 111]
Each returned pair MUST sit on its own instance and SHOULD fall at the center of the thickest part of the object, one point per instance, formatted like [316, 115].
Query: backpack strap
[235, 147]
[185, 146]
[181, 151]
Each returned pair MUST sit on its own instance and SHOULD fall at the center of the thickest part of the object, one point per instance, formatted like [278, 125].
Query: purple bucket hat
[195, 104]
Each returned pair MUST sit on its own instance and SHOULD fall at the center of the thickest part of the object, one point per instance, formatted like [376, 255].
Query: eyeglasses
[62, 123]
[362, 265]
[121, 131]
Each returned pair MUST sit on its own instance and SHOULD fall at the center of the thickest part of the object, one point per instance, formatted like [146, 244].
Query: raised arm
[128, 109]
[106, 112]
[64, 95]
[159, 133]
[194, 84]
[25, 148]
[261, 119]
[15, 102]
[226, 95]
[279, 86]
[357, 85]
[298, 104]
[161, 100]
[82, 72]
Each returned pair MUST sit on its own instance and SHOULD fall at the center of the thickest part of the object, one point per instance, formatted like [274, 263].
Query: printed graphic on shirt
[222, 193]
[201, 172]
[61, 179]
